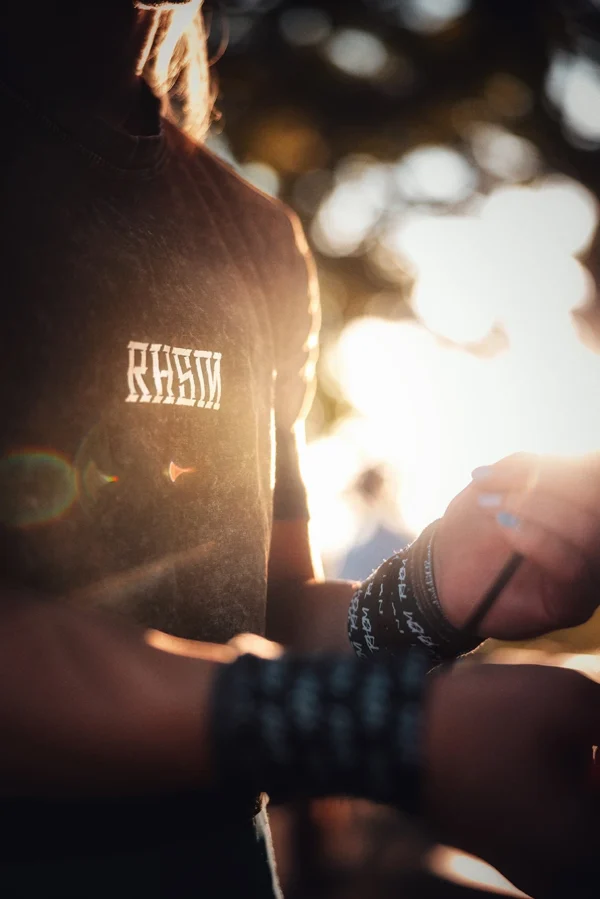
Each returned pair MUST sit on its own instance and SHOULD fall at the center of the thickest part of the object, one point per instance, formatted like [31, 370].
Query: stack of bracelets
[398, 607]
[319, 725]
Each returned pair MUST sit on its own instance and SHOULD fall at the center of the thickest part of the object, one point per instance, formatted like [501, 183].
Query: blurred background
[441, 155]
[443, 158]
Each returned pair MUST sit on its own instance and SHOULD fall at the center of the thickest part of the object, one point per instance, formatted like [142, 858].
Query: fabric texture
[156, 359]
[157, 351]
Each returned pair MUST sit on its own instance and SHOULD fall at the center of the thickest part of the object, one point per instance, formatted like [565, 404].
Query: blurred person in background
[157, 354]
[371, 490]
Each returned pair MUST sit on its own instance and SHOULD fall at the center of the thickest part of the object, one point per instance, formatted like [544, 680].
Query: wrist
[321, 726]
[398, 607]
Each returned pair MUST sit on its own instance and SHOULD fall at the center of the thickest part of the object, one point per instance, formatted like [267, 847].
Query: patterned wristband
[398, 607]
[321, 726]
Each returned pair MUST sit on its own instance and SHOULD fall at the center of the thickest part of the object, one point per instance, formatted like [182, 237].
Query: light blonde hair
[177, 68]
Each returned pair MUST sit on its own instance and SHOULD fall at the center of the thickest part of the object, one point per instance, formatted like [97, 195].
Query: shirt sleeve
[296, 338]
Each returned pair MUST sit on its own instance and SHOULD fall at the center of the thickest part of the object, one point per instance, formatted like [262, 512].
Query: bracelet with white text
[398, 607]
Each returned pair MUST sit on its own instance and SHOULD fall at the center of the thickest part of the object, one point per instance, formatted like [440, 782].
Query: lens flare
[95, 468]
[175, 472]
[92, 479]
[37, 486]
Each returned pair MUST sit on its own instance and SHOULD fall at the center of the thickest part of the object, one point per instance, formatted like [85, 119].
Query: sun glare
[423, 404]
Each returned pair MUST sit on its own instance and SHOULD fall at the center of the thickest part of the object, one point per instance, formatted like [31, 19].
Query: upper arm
[291, 557]
[296, 326]
[296, 320]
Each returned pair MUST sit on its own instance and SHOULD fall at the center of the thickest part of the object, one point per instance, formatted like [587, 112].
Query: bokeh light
[357, 53]
[309, 190]
[452, 257]
[557, 75]
[430, 16]
[507, 96]
[434, 174]
[573, 85]
[554, 214]
[239, 33]
[304, 27]
[330, 464]
[288, 141]
[263, 176]
[352, 208]
[503, 154]
[426, 408]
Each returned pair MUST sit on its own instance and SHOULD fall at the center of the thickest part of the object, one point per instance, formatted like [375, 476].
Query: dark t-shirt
[156, 335]
[158, 328]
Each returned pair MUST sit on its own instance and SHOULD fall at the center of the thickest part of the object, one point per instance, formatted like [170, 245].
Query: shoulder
[266, 236]
[262, 218]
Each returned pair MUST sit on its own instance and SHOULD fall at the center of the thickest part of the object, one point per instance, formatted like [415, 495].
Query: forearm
[395, 608]
[304, 612]
[310, 616]
[89, 707]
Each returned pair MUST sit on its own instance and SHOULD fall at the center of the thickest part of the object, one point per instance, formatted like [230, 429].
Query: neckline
[100, 141]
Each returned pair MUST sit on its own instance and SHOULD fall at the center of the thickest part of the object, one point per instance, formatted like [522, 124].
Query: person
[157, 353]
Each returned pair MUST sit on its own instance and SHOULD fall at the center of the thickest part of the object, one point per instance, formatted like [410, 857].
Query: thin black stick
[493, 593]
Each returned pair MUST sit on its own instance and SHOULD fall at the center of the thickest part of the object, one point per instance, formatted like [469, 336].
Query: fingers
[548, 509]
[574, 480]
[512, 472]
[562, 560]
[535, 517]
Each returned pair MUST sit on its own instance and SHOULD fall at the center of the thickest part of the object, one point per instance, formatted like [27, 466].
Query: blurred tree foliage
[284, 102]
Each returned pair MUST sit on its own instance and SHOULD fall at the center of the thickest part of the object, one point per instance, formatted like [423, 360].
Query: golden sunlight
[431, 399]
[466, 870]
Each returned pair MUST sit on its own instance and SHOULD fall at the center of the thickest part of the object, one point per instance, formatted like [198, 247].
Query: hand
[508, 758]
[548, 509]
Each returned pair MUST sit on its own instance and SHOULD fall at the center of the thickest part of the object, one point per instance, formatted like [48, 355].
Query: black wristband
[313, 726]
[398, 607]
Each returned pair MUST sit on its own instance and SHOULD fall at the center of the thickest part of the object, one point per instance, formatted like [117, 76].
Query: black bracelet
[398, 607]
[313, 726]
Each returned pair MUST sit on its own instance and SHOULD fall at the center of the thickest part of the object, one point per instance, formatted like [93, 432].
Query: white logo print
[178, 377]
